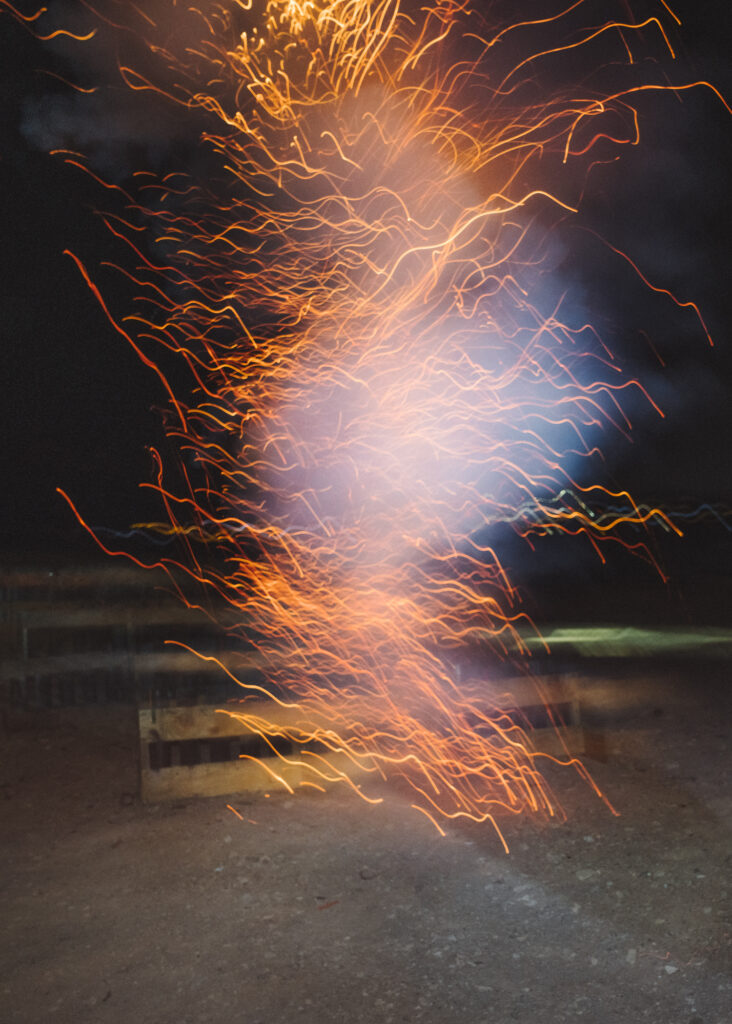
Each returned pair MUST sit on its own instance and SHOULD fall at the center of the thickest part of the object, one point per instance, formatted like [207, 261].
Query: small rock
[670, 969]
[367, 874]
[631, 956]
[584, 873]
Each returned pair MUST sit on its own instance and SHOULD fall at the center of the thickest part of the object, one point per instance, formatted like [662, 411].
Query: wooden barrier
[223, 755]
[201, 750]
[62, 653]
[95, 636]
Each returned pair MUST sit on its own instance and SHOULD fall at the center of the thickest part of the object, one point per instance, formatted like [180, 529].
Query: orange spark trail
[379, 377]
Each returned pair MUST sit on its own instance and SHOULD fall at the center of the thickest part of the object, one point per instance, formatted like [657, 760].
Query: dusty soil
[324, 909]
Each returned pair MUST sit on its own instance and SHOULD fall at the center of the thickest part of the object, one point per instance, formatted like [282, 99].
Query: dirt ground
[320, 908]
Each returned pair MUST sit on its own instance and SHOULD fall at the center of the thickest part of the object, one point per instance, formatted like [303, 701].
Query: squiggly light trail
[378, 381]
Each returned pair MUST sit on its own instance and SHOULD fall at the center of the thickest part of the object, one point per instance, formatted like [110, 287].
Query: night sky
[79, 409]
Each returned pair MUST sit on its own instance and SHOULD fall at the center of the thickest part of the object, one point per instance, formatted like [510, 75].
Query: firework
[381, 372]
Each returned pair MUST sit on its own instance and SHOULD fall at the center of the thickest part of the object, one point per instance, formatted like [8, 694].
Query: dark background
[79, 410]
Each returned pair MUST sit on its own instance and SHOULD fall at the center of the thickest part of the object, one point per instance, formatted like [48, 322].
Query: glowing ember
[382, 371]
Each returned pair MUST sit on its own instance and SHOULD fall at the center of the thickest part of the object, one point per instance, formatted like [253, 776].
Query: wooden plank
[208, 721]
[241, 776]
[244, 775]
[170, 659]
[66, 617]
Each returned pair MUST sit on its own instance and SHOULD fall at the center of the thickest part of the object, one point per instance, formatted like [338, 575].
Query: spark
[379, 377]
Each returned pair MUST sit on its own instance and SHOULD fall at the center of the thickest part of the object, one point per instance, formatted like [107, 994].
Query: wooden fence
[97, 635]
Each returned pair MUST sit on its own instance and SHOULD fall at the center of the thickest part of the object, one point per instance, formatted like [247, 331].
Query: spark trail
[379, 375]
